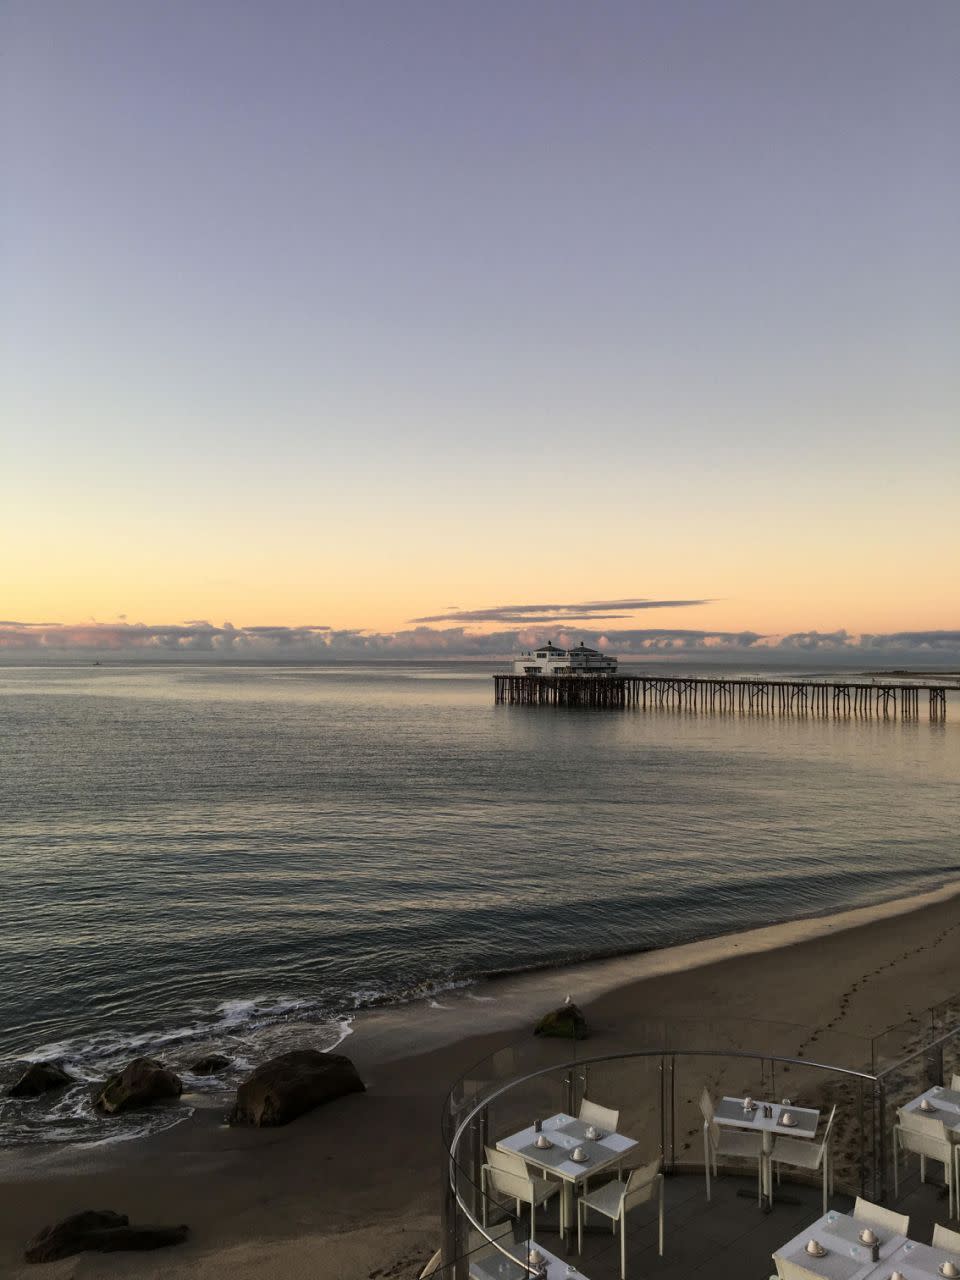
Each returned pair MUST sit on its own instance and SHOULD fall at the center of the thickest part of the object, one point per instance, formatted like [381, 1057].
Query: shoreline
[510, 1001]
[516, 998]
[353, 1189]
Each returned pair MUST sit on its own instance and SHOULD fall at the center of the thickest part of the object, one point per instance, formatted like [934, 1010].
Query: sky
[344, 327]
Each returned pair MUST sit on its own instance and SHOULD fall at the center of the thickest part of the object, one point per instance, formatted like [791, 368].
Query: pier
[836, 697]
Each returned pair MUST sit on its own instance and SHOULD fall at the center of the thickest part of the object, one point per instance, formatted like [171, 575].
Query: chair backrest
[709, 1116]
[826, 1133]
[944, 1238]
[706, 1104]
[867, 1211]
[507, 1161]
[506, 1173]
[955, 1082]
[925, 1136]
[643, 1184]
[603, 1117]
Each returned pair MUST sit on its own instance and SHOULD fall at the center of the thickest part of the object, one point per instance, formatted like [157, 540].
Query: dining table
[784, 1120]
[847, 1257]
[565, 1134]
[943, 1104]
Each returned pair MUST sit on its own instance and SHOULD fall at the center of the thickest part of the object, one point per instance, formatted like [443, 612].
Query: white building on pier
[548, 660]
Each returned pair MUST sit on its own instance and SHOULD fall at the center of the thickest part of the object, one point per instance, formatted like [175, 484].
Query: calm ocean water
[197, 858]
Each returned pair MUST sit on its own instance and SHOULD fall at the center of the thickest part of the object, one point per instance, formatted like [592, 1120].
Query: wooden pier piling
[837, 697]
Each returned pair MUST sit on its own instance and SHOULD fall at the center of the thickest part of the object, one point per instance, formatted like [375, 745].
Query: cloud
[932, 642]
[138, 640]
[203, 640]
[520, 613]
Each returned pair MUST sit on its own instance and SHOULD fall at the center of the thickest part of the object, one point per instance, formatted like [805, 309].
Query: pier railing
[717, 693]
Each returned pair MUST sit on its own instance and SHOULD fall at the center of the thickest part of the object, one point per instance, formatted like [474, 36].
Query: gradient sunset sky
[357, 314]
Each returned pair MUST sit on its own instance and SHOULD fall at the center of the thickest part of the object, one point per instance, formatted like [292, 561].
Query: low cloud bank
[40, 642]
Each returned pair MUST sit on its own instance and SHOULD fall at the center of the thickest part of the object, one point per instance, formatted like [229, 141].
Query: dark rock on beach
[292, 1084]
[211, 1065]
[567, 1023]
[39, 1077]
[140, 1084]
[98, 1231]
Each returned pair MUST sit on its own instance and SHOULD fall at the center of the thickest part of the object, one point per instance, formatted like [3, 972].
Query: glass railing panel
[945, 1017]
[634, 1088]
[951, 1055]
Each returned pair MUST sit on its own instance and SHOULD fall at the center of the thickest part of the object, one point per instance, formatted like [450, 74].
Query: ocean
[200, 858]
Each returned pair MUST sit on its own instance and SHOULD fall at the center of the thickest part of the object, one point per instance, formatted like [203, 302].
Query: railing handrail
[660, 1052]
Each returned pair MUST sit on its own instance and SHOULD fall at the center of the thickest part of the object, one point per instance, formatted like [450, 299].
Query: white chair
[615, 1199]
[877, 1216]
[804, 1154]
[927, 1137]
[720, 1141]
[506, 1174]
[604, 1118]
[955, 1082]
[944, 1238]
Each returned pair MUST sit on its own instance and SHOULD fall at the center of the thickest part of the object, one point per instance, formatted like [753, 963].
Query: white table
[847, 1259]
[494, 1266]
[921, 1261]
[946, 1107]
[566, 1133]
[730, 1112]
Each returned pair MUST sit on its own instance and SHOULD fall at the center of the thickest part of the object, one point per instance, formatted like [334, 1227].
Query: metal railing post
[880, 1140]
[451, 1254]
[567, 1083]
[476, 1159]
[673, 1111]
[935, 1064]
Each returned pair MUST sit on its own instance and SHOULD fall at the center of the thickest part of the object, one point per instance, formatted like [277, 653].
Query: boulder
[566, 1022]
[98, 1231]
[211, 1065]
[296, 1082]
[140, 1084]
[39, 1077]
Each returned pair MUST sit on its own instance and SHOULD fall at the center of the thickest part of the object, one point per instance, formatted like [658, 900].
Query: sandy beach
[351, 1192]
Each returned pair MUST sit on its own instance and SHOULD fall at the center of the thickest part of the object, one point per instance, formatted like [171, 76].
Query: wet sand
[352, 1191]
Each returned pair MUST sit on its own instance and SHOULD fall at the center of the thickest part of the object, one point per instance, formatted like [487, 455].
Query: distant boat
[98, 663]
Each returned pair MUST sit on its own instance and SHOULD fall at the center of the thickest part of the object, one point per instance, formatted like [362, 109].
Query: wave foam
[246, 1031]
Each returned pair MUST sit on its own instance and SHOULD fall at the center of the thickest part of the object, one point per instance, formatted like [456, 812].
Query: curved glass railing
[655, 1082]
